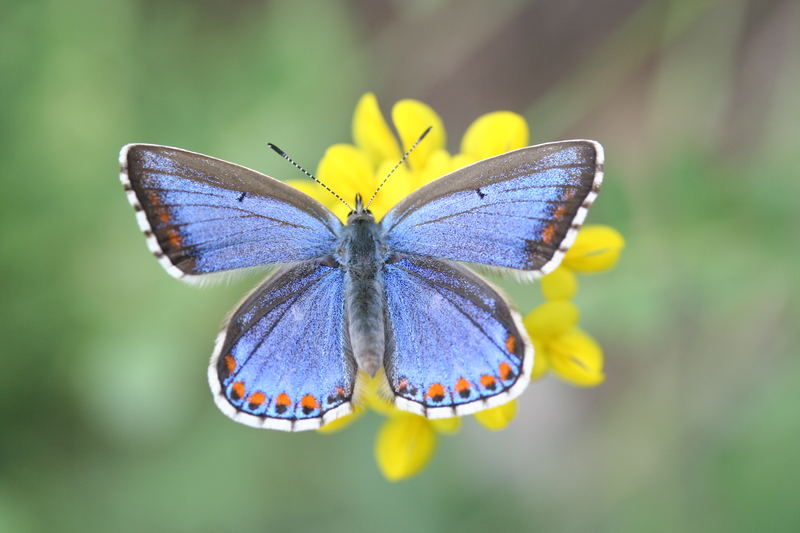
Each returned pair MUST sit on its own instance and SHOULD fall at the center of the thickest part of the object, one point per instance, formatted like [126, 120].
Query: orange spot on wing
[488, 381]
[462, 385]
[230, 363]
[436, 392]
[511, 343]
[560, 212]
[174, 238]
[309, 402]
[506, 372]
[548, 233]
[257, 399]
[163, 216]
[237, 391]
[154, 199]
[402, 386]
[283, 399]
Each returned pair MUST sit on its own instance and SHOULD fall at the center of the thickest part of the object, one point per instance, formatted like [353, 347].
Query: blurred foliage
[107, 421]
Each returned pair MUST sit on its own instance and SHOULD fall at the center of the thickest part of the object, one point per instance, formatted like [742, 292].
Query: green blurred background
[107, 422]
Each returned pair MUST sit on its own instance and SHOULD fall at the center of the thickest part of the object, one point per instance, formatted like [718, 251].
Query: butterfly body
[388, 297]
[362, 254]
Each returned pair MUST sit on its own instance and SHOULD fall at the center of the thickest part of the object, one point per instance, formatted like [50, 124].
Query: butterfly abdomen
[361, 252]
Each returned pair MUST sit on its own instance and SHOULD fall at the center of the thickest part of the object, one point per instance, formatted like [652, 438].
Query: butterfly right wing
[201, 215]
[283, 360]
[454, 344]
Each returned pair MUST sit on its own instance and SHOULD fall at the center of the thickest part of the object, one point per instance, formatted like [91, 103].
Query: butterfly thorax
[362, 255]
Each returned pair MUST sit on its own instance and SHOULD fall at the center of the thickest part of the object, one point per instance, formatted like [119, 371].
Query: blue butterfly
[371, 296]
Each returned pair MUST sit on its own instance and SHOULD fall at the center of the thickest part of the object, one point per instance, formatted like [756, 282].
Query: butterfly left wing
[454, 345]
[283, 360]
[202, 215]
[519, 210]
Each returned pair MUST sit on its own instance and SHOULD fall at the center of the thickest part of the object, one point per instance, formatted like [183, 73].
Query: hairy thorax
[362, 254]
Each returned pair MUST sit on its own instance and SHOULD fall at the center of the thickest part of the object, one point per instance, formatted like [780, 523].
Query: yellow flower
[560, 346]
[596, 249]
[404, 446]
[406, 442]
[498, 417]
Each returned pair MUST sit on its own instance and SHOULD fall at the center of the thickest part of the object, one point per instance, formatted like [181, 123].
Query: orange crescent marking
[163, 216]
[462, 384]
[511, 343]
[505, 371]
[238, 390]
[283, 399]
[560, 212]
[309, 402]
[257, 398]
[487, 381]
[436, 390]
[174, 238]
[548, 233]
[230, 363]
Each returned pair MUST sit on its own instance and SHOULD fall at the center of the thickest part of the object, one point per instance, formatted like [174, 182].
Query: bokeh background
[107, 423]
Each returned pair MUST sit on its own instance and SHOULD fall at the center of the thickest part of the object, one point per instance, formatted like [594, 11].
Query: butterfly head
[360, 212]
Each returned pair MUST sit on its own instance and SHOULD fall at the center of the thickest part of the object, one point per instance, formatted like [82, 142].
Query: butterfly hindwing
[519, 210]
[454, 346]
[202, 215]
[283, 360]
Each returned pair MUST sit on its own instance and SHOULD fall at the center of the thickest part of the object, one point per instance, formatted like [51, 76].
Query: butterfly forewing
[202, 215]
[454, 344]
[283, 360]
[519, 210]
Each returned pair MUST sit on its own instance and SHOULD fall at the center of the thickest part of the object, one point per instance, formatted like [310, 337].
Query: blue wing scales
[284, 361]
[454, 345]
[202, 215]
[519, 210]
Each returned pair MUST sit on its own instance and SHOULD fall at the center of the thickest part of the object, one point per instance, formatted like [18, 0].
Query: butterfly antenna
[402, 159]
[307, 173]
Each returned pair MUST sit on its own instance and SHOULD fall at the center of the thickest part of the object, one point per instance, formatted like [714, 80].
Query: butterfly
[395, 297]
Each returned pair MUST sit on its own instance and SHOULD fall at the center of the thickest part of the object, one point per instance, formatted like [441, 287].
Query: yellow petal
[372, 133]
[399, 185]
[560, 284]
[540, 364]
[411, 118]
[341, 422]
[404, 446]
[494, 134]
[312, 189]
[372, 392]
[378, 403]
[346, 170]
[551, 319]
[446, 425]
[596, 248]
[577, 358]
[498, 417]
[460, 161]
[439, 163]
